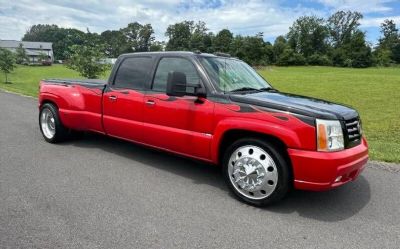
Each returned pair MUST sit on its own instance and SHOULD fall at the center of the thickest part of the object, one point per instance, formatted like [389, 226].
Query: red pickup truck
[216, 109]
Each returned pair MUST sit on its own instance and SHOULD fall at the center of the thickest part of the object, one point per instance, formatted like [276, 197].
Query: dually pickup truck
[217, 109]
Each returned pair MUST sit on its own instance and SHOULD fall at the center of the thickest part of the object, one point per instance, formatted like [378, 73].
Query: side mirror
[176, 84]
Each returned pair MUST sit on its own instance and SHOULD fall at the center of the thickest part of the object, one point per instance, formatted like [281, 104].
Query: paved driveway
[105, 193]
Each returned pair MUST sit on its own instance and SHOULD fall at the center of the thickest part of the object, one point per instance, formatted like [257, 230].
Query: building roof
[26, 44]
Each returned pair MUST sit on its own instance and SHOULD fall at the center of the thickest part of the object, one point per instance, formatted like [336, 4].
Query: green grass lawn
[374, 92]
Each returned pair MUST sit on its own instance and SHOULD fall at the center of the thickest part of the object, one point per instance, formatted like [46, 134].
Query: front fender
[293, 132]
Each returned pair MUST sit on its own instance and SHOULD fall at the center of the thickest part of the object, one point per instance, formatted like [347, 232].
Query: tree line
[311, 40]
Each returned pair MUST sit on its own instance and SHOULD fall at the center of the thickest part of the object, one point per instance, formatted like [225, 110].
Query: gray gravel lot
[100, 192]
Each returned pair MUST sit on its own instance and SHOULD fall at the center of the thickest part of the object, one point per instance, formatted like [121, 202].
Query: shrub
[291, 58]
[86, 60]
[319, 59]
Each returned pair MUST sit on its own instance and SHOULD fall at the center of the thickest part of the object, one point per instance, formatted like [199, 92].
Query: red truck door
[123, 99]
[180, 124]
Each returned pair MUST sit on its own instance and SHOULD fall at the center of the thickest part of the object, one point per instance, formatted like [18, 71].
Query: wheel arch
[232, 135]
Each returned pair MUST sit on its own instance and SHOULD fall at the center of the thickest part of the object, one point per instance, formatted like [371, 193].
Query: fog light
[338, 179]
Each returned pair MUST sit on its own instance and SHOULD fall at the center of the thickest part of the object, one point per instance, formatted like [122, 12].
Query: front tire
[256, 172]
[50, 124]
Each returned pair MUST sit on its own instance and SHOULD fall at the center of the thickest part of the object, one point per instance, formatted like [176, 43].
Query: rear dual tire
[52, 129]
[256, 171]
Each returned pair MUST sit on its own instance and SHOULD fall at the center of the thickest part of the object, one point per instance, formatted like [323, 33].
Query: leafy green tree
[86, 60]
[358, 51]
[389, 43]
[20, 54]
[223, 40]
[308, 35]
[61, 38]
[138, 37]
[7, 62]
[390, 34]
[342, 25]
[396, 53]
[115, 43]
[280, 45]
[290, 58]
[349, 46]
[318, 59]
[179, 36]
[252, 49]
[200, 40]
[42, 57]
[157, 46]
[382, 57]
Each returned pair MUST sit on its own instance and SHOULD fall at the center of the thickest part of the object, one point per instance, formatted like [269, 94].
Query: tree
[86, 60]
[342, 25]
[138, 37]
[61, 38]
[42, 57]
[280, 45]
[223, 41]
[179, 36]
[157, 46]
[7, 62]
[308, 35]
[390, 34]
[290, 58]
[358, 52]
[20, 54]
[198, 37]
[115, 43]
[389, 44]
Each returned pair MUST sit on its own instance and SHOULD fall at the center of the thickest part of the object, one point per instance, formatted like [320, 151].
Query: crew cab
[217, 109]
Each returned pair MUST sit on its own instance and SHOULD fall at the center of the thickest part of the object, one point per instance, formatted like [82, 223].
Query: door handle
[113, 98]
[150, 102]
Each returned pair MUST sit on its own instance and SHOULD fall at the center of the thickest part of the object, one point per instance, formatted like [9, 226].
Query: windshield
[233, 75]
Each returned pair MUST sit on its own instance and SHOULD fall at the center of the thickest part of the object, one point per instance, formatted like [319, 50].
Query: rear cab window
[133, 73]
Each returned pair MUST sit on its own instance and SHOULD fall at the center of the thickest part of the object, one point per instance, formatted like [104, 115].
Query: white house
[33, 49]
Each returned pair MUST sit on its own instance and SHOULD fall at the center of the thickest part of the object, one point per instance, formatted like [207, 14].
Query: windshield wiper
[248, 89]
[267, 89]
[245, 89]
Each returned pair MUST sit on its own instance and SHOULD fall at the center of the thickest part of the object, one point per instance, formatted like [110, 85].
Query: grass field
[374, 92]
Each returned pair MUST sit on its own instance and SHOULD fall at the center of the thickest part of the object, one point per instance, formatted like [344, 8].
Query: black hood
[297, 104]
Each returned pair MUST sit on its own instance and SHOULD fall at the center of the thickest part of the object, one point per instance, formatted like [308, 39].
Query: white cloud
[245, 17]
[240, 16]
[364, 6]
[377, 21]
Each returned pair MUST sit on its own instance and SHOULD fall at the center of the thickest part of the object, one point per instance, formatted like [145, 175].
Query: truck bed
[79, 101]
[90, 83]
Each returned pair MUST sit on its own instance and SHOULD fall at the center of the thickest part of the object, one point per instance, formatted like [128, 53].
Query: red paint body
[195, 127]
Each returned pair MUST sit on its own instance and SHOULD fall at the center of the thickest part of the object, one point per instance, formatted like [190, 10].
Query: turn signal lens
[329, 135]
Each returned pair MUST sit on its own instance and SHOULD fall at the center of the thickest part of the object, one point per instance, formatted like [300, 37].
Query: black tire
[281, 165]
[61, 133]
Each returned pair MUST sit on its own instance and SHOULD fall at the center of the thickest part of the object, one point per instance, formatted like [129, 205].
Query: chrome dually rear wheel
[50, 124]
[47, 123]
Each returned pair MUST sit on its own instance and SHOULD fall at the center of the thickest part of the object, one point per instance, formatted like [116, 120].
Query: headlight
[329, 135]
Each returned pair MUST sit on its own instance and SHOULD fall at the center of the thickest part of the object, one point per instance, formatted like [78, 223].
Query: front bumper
[320, 171]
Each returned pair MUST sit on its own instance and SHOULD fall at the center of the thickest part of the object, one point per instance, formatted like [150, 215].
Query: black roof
[178, 53]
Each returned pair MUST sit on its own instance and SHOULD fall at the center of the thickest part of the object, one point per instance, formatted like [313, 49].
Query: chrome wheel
[47, 123]
[253, 172]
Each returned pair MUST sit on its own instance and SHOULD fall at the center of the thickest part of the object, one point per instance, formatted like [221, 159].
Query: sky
[249, 17]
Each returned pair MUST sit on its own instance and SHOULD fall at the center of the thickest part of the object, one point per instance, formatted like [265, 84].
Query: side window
[133, 73]
[167, 65]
